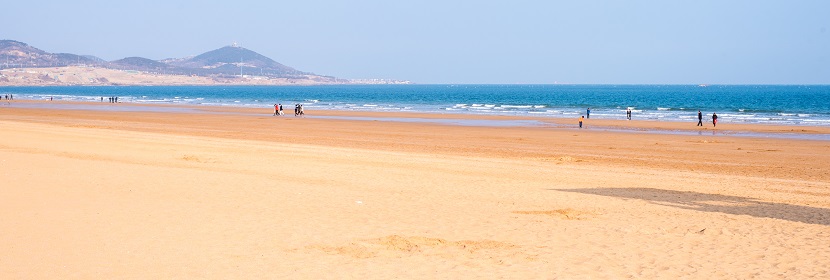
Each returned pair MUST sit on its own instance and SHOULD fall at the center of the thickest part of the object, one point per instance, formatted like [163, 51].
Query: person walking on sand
[581, 118]
[699, 118]
[589, 113]
[628, 114]
[280, 108]
[714, 119]
[276, 109]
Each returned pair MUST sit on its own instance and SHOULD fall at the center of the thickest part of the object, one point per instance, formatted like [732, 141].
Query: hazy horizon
[459, 42]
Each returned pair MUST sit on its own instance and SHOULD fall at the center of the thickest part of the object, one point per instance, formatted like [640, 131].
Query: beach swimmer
[714, 119]
[581, 118]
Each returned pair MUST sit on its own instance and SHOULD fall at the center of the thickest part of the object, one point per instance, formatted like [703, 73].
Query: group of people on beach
[112, 99]
[298, 110]
[9, 96]
[628, 117]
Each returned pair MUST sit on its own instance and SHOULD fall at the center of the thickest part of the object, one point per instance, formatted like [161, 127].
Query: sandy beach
[220, 192]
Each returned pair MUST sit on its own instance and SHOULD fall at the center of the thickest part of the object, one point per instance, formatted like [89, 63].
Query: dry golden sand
[96, 194]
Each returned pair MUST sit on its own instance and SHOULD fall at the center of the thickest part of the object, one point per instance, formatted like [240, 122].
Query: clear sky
[428, 41]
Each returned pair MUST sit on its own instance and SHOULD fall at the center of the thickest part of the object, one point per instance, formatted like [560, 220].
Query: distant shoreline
[100, 76]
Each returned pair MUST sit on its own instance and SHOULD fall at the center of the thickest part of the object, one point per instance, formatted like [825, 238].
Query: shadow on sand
[717, 203]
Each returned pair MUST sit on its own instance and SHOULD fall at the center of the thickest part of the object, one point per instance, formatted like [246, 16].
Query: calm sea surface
[790, 105]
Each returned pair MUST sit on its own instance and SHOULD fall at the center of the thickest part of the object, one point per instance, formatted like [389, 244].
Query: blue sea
[764, 104]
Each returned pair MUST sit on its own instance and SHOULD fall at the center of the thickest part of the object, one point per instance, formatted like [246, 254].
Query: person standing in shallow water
[714, 119]
[699, 118]
[628, 114]
[581, 118]
[589, 113]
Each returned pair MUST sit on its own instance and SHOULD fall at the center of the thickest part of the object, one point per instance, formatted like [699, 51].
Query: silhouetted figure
[699, 118]
[714, 119]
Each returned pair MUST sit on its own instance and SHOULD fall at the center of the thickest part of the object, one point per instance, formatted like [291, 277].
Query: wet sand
[221, 192]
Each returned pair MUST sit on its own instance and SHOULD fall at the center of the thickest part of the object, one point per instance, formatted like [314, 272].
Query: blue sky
[539, 42]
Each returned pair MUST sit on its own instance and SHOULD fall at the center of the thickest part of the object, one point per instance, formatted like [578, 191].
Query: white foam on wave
[663, 109]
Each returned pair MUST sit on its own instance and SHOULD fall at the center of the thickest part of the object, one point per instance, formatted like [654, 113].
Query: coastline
[218, 192]
[782, 104]
[657, 126]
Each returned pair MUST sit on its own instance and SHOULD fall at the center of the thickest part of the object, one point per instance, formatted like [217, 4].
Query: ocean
[763, 104]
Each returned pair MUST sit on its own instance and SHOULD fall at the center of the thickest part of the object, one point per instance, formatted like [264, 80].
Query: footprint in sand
[564, 214]
[396, 245]
[194, 158]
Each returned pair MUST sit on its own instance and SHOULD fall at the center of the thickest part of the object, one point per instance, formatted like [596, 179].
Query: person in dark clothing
[714, 119]
[699, 118]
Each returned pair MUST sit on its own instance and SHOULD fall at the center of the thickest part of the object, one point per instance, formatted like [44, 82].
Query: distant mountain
[18, 54]
[95, 58]
[232, 60]
[222, 62]
[139, 63]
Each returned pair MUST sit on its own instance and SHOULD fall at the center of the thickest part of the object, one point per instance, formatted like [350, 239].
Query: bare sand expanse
[242, 194]
[78, 75]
